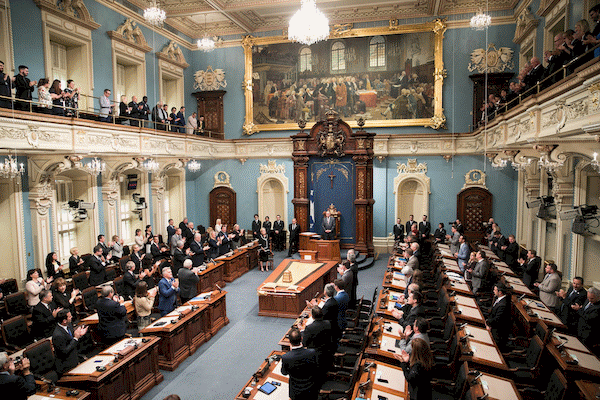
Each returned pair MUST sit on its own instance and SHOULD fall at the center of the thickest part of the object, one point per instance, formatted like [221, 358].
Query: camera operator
[12, 385]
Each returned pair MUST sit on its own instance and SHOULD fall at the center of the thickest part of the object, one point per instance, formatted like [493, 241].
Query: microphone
[368, 366]
[365, 384]
[463, 325]
[522, 296]
[219, 287]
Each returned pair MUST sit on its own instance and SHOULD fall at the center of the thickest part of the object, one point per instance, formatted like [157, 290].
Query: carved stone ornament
[475, 177]
[331, 137]
[222, 179]
[272, 168]
[131, 35]
[210, 79]
[73, 10]
[172, 53]
[498, 60]
[411, 167]
[526, 23]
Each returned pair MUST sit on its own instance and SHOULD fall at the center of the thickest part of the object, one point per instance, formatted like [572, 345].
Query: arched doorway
[272, 199]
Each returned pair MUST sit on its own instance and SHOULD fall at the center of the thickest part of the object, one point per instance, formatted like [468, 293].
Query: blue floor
[221, 367]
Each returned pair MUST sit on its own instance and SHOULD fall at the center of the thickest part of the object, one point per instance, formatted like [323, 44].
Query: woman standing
[417, 369]
[58, 98]
[139, 238]
[265, 249]
[35, 284]
[53, 267]
[213, 243]
[44, 97]
[74, 261]
[62, 297]
[143, 302]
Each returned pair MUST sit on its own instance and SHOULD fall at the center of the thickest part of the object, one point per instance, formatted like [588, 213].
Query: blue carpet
[221, 367]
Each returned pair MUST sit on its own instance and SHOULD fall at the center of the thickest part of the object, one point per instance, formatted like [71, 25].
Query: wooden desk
[215, 315]
[238, 263]
[395, 389]
[459, 287]
[588, 390]
[574, 363]
[180, 339]
[128, 378]
[469, 314]
[486, 355]
[463, 301]
[58, 393]
[495, 387]
[327, 250]
[93, 319]
[529, 316]
[211, 277]
[278, 299]
[304, 238]
[267, 372]
[477, 334]
[386, 302]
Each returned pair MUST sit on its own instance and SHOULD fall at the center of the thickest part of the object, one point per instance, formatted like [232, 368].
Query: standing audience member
[65, 341]
[531, 268]
[589, 320]
[106, 106]
[111, 316]
[319, 336]
[143, 303]
[294, 237]
[499, 322]
[463, 254]
[302, 366]
[440, 233]
[256, 225]
[278, 234]
[417, 370]
[192, 124]
[576, 294]
[62, 297]
[97, 267]
[35, 284]
[75, 261]
[343, 301]
[479, 274]
[43, 316]
[5, 88]
[398, 230]
[16, 387]
[328, 226]
[23, 88]
[44, 97]
[418, 330]
[454, 240]
[168, 287]
[53, 267]
[180, 120]
[265, 249]
[130, 280]
[549, 286]
[71, 99]
[188, 280]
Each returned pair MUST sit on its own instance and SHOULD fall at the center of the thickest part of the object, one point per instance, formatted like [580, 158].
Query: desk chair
[9, 286]
[440, 339]
[340, 383]
[89, 297]
[123, 260]
[111, 274]
[41, 357]
[526, 370]
[80, 281]
[457, 385]
[521, 343]
[555, 390]
[16, 304]
[15, 333]
[119, 286]
[447, 363]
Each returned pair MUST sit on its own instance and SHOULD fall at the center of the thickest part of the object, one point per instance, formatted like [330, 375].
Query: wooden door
[222, 205]
[474, 208]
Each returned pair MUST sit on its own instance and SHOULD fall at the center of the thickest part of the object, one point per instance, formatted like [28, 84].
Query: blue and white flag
[311, 219]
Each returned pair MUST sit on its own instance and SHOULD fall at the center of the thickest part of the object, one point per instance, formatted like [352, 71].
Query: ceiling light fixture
[154, 15]
[480, 21]
[308, 25]
[11, 168]
[95, 167]
[194, 166]
[206, 43]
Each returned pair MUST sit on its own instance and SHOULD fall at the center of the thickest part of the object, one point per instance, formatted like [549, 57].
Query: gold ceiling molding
[131, 35]
[173, 54]
[73, 10]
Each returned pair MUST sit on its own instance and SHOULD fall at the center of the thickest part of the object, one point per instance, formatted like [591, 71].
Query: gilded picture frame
[378, 93]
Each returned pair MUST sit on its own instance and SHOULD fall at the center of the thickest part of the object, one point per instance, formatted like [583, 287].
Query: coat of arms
[331, 138]
[210, 79]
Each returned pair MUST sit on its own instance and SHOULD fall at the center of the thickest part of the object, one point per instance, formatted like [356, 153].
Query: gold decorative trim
[475, 177]
[222, 179]
[437, 27]
[172, 53]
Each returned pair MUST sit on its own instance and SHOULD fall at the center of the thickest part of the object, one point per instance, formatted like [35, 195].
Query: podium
[327, 250]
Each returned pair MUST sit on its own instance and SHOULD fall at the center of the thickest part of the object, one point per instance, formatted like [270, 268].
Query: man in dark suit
[349, 274]
[531, 268]
[188, 233]
[576, 294]
[188, 280]
[328, 226]
[43, 316]
[183, 224]
[588, 325]
[416, 310]
[511, 251]
[105, 248]
[499, 321]
[331, 310]
[398, 231]
[303, 368]
[135, 112]
[179, 257]
[197, 251]
[294, 237]
[319, 336]
[130, 281]
[256, 225]
[479, 273]
[111, 316]
[170, 230]
[12, 386]
[225, 245]
[158, 252]
[278, 234]
[343, 300]
[5, 88]
[424, 229]
[136, 258]
[168, 287]
[65, 341]
[409, 223]
[459, 227]
[96, 267]
[23, 88]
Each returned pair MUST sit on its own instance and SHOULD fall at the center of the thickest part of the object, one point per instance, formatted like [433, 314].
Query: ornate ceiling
[228, 17]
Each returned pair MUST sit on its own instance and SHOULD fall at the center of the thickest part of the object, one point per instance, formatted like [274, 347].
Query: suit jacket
[74, 264]
[479, 275]
[409, 225]
[174, 240]
[398, 232]
[549, 285]
[225, 243]
[328, 225]
[278, 226]
[425, 228]
[302, 366]
[256, 225]
[155, 251]
[111, 318]
[500, 318]
[330, 313]
[419, 381]
[413, 262]
[187, 283]
[511, 253]
[97, 271]
[136, 258]
[566, 313]
[198, 257]
[319, 336]
[343, 300]
[42, 320]
[267, 226]
[65, 349]
[17, 387]
[589, 323]
[170, 233]
[129, 284]
[178, 258]
[409, 319]
[167, 296]
[62, 300]
[454, 242]
[531, 272]
[294, 233]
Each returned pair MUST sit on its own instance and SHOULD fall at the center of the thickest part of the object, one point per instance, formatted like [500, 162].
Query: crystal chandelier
[150, 165]
[521, 166]
[480, 21]
[11, 169]
[500, 164]
[549, 165]
[595, 163]
[194, 166]
[206, 43]
[95, 167]
[154, 14]
[308, 25]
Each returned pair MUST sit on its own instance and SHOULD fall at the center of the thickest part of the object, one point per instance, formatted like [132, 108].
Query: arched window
[377, 52]
[305, 59]
[338, 61]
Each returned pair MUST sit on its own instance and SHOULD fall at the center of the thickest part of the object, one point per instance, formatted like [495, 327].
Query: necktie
[69, 331]
[587, 306]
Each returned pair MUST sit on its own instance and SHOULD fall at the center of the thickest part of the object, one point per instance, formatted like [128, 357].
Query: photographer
[13, 386]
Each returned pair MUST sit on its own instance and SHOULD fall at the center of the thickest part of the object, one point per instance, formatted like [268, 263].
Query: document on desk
[547, 316]
[376, 393]
[277, 369]
[497, 388]
[388, 343]
[394, 325]
[571, 342]
[465, 301]
[398, 283]
[394, 377]
[486, 352]
[89, 366]
[39, 397]
[121, 345]
[281, 393]
[160, 323]
[478, 334]
[585, 360]
[175, 313]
